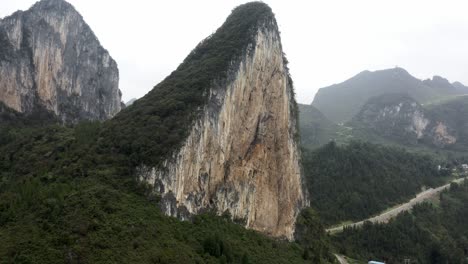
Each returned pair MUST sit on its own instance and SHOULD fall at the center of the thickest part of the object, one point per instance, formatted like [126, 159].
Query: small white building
[465, 166]
[375, 262]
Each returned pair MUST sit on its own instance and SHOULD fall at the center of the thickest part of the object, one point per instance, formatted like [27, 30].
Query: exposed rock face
[241, 155]
[49, 57]
[341, 102]
[441, 135]
[393, 115]
[400, 117]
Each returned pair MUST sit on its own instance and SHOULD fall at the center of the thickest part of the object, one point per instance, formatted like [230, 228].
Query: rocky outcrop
[49, 57]
[393, 115]
[241, 155]
[341, 102]
[401, 118]
[441, 136]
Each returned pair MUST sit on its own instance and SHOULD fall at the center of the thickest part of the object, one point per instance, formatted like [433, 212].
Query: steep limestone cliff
[240, 154]
[51, 59]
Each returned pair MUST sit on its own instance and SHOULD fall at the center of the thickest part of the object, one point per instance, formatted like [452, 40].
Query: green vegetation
[69, 194]
[393, 127]
[340, 102]
[429, 234]
[9, 117]
[389, 117]
[358, 180]
[316, 130]
[63, 199]
[153, 127]
[310, 233]
[453, 114]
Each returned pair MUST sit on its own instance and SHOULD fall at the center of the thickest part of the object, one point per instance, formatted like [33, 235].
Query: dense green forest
[70, 195]
[431, 233]
[63, 199]
[358, 180]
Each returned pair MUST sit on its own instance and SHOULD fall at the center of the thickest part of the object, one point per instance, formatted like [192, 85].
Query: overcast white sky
[326, 41]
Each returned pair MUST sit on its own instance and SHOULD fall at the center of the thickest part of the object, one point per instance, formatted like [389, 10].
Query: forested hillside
[74, 203]
[71, 194]
[431, 233]
[355, 181]
[340, 102]
[453, 112]
[315, 128]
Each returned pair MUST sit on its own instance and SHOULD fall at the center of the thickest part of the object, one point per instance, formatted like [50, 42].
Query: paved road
[341, 259]
[386, 216]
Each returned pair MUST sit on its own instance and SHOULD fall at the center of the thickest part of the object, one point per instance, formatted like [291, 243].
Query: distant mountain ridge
[130, 102]
[403, 120]
[316, 129]
[340, 102]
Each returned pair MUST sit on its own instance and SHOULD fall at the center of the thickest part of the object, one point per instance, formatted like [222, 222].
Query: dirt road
[386, 216]
[341, 259]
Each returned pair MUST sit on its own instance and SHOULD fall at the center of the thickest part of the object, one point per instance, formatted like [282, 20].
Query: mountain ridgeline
[51, 61]
[389, 107]
[215, 143]
[221, 131]
[340, 102]
[315, 128]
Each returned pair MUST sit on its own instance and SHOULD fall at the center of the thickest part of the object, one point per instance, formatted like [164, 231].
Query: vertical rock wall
[50, 58]
[241, 155]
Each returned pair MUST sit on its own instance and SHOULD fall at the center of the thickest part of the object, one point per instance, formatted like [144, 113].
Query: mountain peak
[257, 5]
[399, 70]
[440, 80]
[340, 102]
[53, 5]
[232, 102]
[70, 74]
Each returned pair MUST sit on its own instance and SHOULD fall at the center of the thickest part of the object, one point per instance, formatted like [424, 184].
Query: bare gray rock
[51, 59]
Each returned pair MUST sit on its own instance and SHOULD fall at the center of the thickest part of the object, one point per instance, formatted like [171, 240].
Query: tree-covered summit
[157, 124]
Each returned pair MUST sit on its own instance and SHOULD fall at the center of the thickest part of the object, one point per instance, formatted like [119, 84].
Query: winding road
[387, 215]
